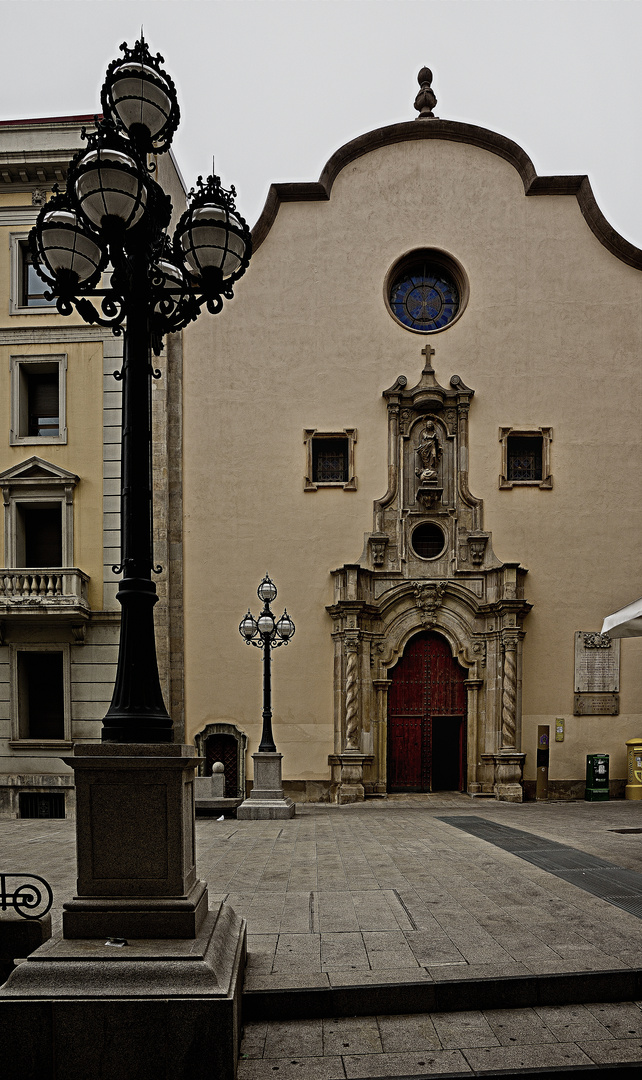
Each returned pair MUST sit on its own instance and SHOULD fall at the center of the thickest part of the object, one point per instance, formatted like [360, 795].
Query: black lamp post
[267, 634]
[113, 216]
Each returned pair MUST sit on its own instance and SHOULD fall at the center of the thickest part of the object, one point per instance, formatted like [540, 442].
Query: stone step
[513, 992]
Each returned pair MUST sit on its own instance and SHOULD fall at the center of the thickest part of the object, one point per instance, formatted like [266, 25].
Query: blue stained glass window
[424, 297]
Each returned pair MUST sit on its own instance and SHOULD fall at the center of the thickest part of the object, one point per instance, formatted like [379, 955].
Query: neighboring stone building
[59, 473]
[448, 519]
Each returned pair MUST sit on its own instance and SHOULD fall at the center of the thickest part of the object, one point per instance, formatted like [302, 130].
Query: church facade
[420, 414]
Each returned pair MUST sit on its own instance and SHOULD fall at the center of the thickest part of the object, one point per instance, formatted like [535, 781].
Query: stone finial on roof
[425, 100]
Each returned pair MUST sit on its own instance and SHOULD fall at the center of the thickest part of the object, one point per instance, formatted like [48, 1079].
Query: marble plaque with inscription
[596, 705]
[597, 663]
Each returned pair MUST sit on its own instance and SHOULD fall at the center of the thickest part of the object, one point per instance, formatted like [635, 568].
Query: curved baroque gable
[451, 131]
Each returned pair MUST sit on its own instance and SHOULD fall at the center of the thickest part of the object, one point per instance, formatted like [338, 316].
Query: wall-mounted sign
[597, 663]
[596, 705]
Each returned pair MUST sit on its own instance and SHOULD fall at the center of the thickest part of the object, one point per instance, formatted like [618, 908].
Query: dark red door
[426, 718]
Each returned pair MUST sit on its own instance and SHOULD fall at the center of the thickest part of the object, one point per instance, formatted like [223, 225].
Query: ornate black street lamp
[267, 634]
[113, 216]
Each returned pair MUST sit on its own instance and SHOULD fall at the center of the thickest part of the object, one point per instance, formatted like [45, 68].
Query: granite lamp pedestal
[267, 799]
[145, 979]
[135, 843]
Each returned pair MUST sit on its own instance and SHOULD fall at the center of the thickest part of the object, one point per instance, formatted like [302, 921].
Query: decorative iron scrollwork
[26, 898]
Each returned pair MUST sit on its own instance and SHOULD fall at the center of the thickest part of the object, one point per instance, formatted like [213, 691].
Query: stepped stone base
[266, 800]
[80, 1008]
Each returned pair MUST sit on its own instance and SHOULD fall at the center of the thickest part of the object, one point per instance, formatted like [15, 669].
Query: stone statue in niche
[428, 452]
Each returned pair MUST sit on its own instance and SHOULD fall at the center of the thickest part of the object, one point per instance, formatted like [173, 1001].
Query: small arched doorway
[426, 718]
[221, 747]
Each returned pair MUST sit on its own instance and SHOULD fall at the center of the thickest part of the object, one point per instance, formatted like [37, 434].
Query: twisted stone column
[509, 695]
[352, 697]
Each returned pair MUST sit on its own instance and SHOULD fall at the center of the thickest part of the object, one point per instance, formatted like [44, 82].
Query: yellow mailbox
[633, 789]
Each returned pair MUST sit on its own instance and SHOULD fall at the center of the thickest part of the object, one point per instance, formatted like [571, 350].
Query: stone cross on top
[428, 352]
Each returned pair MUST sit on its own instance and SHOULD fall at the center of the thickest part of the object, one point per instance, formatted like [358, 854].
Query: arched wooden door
[426, 718]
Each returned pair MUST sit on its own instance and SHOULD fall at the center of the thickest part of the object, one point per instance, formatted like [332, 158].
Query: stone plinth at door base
[347, 775]
[80, 1008]
[266, 800]
[509, 767]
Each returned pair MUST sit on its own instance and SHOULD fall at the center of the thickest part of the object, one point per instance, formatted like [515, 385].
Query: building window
[330, 459]
[426, 290]
[42, 804]
[39, 515]
[40, 693]
[27, 289]
[39, 534]
[428, 541]
[525, 457]
[32, 287]
[38, 392]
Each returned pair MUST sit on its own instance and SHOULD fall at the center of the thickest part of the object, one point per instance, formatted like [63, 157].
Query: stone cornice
[451, 131]
[52, 335]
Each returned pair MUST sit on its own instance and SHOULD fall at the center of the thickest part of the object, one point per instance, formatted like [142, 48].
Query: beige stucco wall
[551, 336]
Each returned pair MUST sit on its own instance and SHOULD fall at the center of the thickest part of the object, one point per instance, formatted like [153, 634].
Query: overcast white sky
[274, 87]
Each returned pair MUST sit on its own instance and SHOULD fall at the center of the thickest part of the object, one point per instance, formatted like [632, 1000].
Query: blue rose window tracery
[424, 298]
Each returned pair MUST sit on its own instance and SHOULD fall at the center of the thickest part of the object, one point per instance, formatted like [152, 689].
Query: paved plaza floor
[387, 892]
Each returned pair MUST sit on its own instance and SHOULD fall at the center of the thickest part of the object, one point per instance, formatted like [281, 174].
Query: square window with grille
[330, 461]
[524, 457]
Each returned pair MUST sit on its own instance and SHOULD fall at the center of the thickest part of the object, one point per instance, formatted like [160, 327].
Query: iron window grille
[428, 541]
[42, 804]
[525, 457]
[330, 461]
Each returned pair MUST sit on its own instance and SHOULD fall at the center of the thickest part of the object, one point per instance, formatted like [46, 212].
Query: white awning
[624, 623]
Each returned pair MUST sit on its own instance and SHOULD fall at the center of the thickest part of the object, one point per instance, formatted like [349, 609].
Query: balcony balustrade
[28, 591]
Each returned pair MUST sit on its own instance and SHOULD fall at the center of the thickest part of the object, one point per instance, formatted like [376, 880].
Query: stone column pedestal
[509, 766]
[266, 799]
[349, 764]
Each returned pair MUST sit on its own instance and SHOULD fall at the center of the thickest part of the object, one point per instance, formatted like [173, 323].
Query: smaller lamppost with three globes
[267, 799]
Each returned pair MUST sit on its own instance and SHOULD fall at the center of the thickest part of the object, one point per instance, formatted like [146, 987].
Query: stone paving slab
[461, 1043]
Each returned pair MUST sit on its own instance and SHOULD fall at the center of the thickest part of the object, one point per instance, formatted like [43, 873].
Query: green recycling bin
[597, 778]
